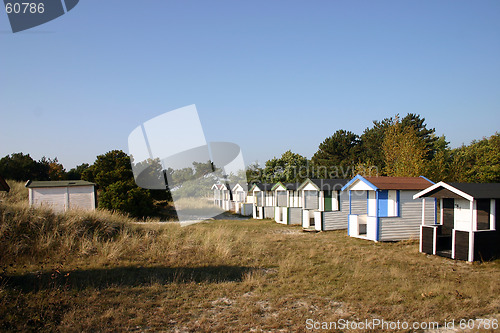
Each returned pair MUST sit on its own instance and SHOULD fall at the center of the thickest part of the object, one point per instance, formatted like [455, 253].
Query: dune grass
[102, 271]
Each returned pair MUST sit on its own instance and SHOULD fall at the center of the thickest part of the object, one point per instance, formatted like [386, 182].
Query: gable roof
[330, 184]
[235, 187]
[469, 191]
[392, 183]
[400, 183]
[262, 186]
[325, 184]
[57, 183]
[3, 185]
[480, 190]
[288, 186]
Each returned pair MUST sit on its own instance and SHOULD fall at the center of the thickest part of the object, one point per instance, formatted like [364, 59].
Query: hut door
[448, 216]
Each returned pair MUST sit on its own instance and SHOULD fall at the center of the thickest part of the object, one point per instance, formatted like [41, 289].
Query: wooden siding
[269, 199]
[337, 220]
[407, 225]
[81, 197]
[461, 245]
[358, 202]
[295, 215]
[334, 220]
[427, 239]
[63, 198]
[430, 210]
[295, 199]
[269, 212]
[50, 197]
[311, 200]
[486, 245]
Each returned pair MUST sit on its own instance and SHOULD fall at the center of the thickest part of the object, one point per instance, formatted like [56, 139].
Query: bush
[125, 196]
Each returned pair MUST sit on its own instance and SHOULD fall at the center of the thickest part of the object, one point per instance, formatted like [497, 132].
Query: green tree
[338, 152]
[76, 172]
[371, 142]
[404, 151]
[427, 135]
[109, 168]
[373, 138]
[290, 167]
[125, 196]
[202, 169]
[479, 162]
[255, 173]
[21, 167]
[113, 173]
[55, 169]
[439, 167]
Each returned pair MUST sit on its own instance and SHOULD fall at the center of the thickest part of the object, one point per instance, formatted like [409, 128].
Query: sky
[267, 75]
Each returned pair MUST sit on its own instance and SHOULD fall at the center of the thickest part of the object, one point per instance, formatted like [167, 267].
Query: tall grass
[102, 271]
[29, 233]
[18, 194]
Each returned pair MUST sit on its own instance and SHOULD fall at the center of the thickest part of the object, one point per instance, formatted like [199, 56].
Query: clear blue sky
[267, 75]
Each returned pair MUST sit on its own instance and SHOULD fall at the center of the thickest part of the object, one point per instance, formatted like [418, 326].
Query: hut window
[281, 198]
[483, 214]
[311, 199]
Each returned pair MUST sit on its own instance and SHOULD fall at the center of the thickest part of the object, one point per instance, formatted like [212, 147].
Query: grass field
[101, 272]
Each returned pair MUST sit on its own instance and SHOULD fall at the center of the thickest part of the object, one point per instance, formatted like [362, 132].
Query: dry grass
[196, 207]
[100, 272]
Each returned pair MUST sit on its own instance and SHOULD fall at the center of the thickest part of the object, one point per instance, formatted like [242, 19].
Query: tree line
[400, 147]
[22, 167]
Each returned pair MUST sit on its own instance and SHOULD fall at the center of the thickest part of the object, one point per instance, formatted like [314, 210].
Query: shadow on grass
[123, 276]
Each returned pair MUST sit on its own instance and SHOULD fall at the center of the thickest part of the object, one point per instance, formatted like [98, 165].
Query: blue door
[383, 199]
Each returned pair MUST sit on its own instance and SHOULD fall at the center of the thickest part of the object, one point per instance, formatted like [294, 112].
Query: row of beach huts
[455, 220]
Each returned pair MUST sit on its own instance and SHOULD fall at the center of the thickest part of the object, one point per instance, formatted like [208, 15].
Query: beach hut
[217, 189]
[468, 221]
[227, 198]
[263, 201]
[3, 185]
[383, 208]
[62, 195]
[241, 206]
[325, 206]
[288, 203]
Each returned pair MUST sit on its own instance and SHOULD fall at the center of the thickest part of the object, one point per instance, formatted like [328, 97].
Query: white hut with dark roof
[468, 223]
